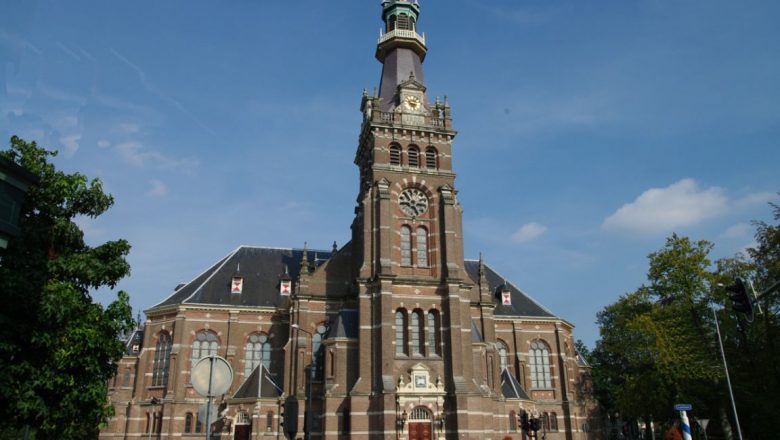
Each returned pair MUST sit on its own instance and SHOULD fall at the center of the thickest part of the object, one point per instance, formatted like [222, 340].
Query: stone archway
[421, 424]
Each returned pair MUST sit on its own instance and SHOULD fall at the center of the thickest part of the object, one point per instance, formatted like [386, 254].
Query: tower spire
[401, 49]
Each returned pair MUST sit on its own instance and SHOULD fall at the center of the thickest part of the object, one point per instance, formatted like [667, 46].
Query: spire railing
[402, 33]
[410, 119]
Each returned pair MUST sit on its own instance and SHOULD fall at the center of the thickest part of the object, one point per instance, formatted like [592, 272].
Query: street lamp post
[728, 379]
[309, 404]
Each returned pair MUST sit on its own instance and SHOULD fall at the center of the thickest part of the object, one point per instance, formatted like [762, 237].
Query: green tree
[58, 347]
[657, 344]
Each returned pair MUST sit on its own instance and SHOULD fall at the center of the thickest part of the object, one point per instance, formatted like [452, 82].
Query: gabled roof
[345, 325]
[522, 303]
[261, 269]
[511, 388]
[258, 385]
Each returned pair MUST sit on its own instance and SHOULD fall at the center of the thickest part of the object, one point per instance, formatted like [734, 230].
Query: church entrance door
[420, 431]
[243, 432]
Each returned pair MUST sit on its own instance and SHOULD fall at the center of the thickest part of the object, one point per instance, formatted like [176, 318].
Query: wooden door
[242, 432]
[420, 431]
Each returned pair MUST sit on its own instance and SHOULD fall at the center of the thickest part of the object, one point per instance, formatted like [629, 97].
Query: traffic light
[534, 424]
[524, 421]
[740, 299]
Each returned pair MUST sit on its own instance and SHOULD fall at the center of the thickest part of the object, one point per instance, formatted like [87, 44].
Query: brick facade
[416, 342]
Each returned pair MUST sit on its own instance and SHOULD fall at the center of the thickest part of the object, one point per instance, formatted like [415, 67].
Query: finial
[238, 267]
[446, 101]
[365, 92]
[286, 270]
[305, 259]
[437, 101]
[411, 75]
[335, 246]
[482, 279]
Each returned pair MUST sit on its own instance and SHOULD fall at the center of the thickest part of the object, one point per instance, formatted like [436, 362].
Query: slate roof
[260, 267]
[522, 303]
[345, 325]
[511, 388]
[136, 340]
[258, 385]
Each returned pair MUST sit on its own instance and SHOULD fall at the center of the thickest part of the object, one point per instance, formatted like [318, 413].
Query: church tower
[415, 298]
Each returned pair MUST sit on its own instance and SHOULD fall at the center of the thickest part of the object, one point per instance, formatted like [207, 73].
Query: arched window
[406, 246]
[434, 327]
[416, 332]
[539, 365]
[205, 344]
[502, 354]
[395, 155]
[422, 247]
[546, 422]
[553, 421]
[162, 360]
[188, 423]
[317, 352]
[512, 421]
[400, 331]
[431, 158]
[126, 378]
[413, 156]
[198, 424]
[403, 21]
[258, 350]
[269, 421]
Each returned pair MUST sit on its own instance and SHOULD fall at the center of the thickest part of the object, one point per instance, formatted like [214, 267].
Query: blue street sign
[683, 407]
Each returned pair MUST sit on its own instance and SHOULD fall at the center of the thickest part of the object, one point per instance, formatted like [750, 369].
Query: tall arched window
[413, 156]
[317, 352]
[395, 155]
[539, 365]
[416, 332]
[502, 355]
[433, 336]
[205, 344]
[406, 246]
[512, 421]
[258, 350]
[400, 331]
[162, 360]
[422, 247]
[188, 423]
[269, 421]
[553, 421]
[431, 158]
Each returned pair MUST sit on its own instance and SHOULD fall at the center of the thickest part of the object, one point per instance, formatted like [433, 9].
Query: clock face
[412, 103]
[413, 202]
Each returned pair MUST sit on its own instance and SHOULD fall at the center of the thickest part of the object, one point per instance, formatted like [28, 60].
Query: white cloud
[756, 199]
[528, 232]
[71, 143]
[136, 154]
[103, 143]
[159, 189]
[660, 210]
[740, 230]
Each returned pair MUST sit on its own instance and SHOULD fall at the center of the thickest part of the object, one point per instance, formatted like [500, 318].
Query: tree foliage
[58, 347]
[658, 344]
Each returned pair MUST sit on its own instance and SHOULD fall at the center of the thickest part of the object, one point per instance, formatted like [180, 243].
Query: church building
[395, 335]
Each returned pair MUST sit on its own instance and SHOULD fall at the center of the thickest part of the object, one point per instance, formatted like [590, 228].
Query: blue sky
[589, 131]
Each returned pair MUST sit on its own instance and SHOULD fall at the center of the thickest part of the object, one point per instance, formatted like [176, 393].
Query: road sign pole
[685, 426]
[208, 405]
